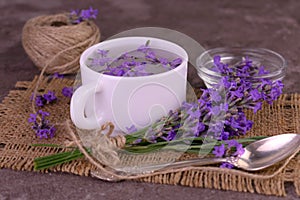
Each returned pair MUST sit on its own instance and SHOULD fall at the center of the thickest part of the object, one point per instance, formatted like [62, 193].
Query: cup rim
[89, 50]
[280, 71]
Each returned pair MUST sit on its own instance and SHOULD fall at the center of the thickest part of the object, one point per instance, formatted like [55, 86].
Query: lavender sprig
[47, 98]
[78, 16]
[41, 125]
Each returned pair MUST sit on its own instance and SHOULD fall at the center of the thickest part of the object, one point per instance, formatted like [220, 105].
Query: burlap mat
[16, 138]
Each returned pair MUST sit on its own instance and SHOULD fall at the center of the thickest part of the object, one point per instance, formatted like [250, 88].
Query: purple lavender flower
[143, 48]
[201, 127]
[218, 109]
[75, 12]
[217, 60]
[32, 118]
[39, 101]
[86, 14]
[224, 135]
[238, 124]
[124, 56]
[57, 75]
[52, 131]
[262, 71]
[67, 91]
[131, 129]
[101, 61]
[257, 107]
[150, 135]
[239, 150]
[139, 70]
[137, 141]
[151, 55]
[50, 97]
[92, 13]
[175, 63]
[219, 151]
[248, 61]
[102, 53]
[45, 133]
[226, 82]
[44, 114]
[75, 16]
[275, 92]
[41, 125]
[170, 135]
[194, 114]
[216, 129]
[215, 96]
[78, 16]
[226, 165]
[232, 143]
[163, 61]
[219, 66]
[190, 127]
[42, 133]
[186, 106]
[255, 95]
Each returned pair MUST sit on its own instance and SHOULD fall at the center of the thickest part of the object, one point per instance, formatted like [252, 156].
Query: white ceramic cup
[127, 101]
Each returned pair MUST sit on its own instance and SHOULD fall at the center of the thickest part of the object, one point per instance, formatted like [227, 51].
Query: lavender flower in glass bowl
[255, 63]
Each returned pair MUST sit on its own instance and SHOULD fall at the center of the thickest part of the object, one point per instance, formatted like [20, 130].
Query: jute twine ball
[52, 42]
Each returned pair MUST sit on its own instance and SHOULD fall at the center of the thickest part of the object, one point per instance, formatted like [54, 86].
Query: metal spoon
[258, 155]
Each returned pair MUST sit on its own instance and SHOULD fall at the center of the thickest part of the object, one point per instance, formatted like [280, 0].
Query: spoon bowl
[266, 152]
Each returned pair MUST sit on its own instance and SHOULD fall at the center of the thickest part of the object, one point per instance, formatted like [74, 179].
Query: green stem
[56, 156]
[171, 142]
[56, 159]
[39, 166]
[196, 147]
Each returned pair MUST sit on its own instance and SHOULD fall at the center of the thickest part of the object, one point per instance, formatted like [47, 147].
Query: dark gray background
[273, 24]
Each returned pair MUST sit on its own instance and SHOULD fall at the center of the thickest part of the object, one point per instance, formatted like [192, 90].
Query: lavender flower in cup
[143, 61]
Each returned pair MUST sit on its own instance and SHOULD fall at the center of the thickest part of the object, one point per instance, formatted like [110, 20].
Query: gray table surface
[272, 24]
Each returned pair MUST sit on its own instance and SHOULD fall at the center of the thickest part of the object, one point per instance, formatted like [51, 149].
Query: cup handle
[78, 103]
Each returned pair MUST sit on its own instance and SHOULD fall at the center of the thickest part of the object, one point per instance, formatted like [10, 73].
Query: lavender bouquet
[212, 124]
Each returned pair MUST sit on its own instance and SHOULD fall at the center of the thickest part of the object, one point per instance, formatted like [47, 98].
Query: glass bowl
[273, 62]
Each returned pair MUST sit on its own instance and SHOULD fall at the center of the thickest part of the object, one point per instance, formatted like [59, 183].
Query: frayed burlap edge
[17, 153]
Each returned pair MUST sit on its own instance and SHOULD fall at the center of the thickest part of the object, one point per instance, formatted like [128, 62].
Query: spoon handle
[178, 164]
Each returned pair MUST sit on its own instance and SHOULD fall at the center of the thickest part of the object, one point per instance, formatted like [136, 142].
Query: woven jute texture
[16, 137]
